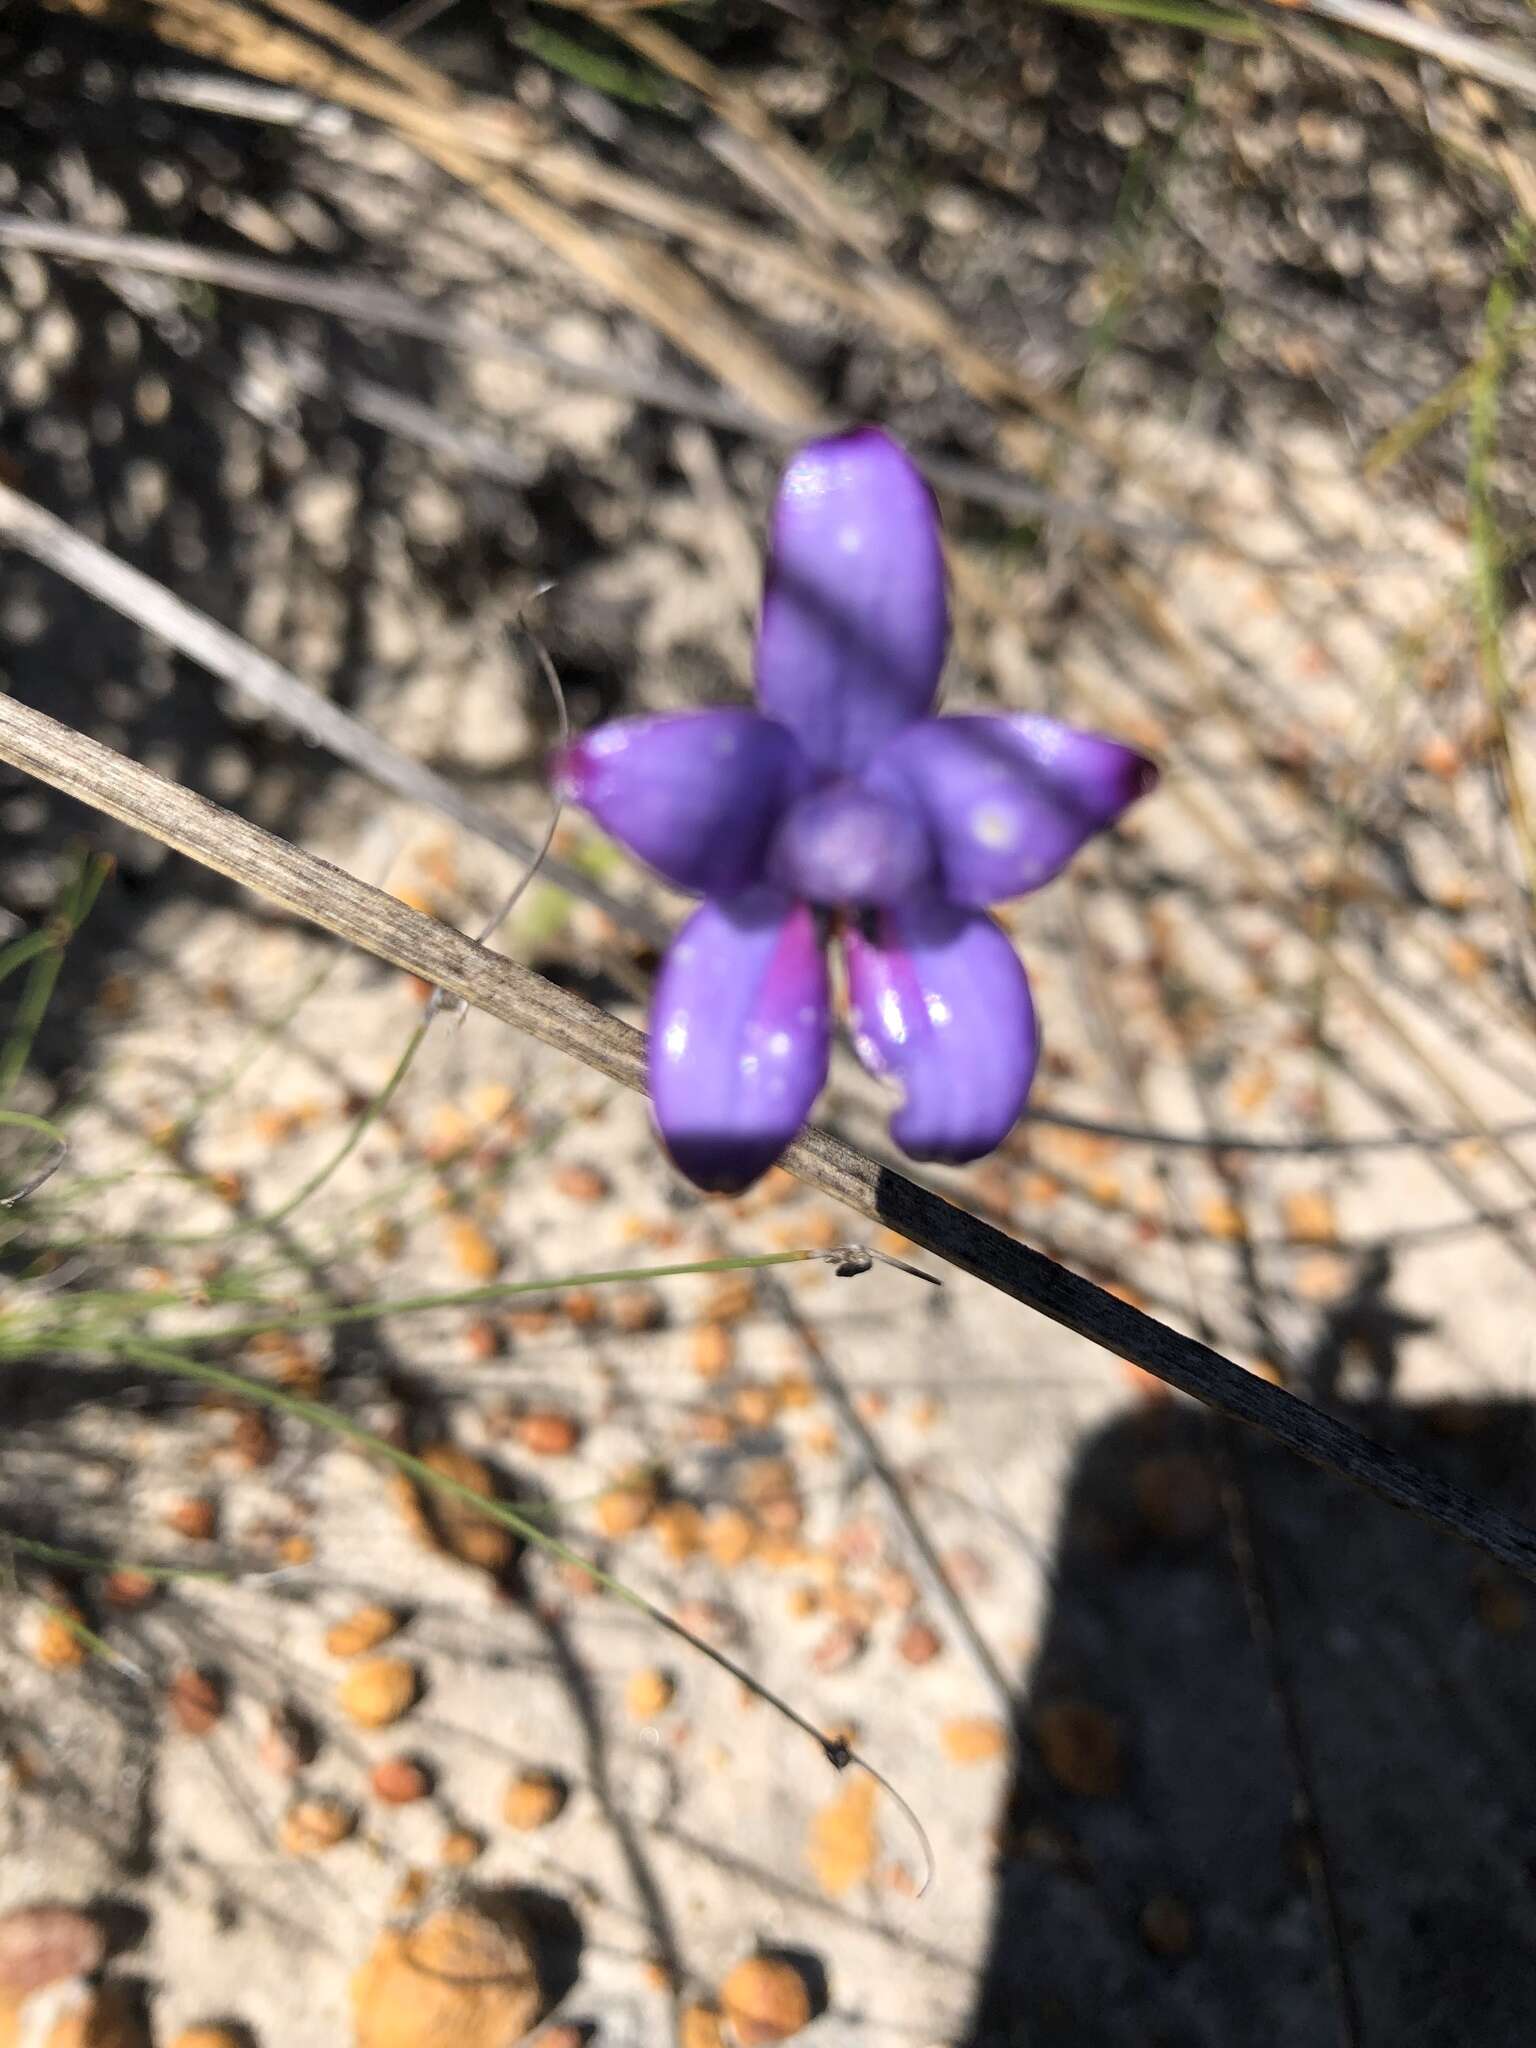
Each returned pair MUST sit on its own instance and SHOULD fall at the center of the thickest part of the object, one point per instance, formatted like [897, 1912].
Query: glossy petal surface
[1008, 801]
[855, 614]
[846, 844]
[740, 1032]
[696, 794]
[939, 1001]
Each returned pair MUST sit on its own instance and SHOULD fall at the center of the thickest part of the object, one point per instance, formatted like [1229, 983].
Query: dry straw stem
[474, 141]
[311, 888]
[460, 138]
[365, 303]
[1453, 48]
[280, 694]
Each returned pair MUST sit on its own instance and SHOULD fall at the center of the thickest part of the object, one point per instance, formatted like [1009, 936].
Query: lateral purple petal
[855, 614]
[938, 1001]
[1008, 801]
[740, 1034]
[695, 794]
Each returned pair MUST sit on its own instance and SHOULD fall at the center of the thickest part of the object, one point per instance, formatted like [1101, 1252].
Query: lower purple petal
[1009, 800]
[938, 1000]
[740, 1034]
[696, 794]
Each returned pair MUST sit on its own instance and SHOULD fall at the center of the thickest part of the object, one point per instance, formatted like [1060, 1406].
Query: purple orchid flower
[843, 809]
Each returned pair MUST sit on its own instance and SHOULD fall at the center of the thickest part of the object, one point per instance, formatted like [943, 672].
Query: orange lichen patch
[755, 1406]
[532, 1800]
[1167, 1926]
[627, 1506]
[648, 1693]
[547, 1433]
[311, 1826]
[712, 1350]
[733, 1296]
[1081, 1747]
[362, 1630]
[765, 1999]
[482, 1340]
[730, 1537]
[471, 1250]
[679, 1528]
[843, 1842]
[1176, 1496]
[379, 1691]
[636, 1309]
[919, 1642]
[194, 1517]
[195, 1701]
[1309, 1217]
[698, 2026]
[448, 1522]
[41, 1945]
[1500, 1604]
[1251, 1088]
[1221, 1218]
[399, 1781]
[973, 1739]
[464, 1978]
[128, 1589]
[56, 1641]
[102, 2018]
[449, 1132]
[1439, 756]
[1322, 1279]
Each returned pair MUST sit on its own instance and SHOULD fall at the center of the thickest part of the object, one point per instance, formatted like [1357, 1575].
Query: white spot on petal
[994, 826]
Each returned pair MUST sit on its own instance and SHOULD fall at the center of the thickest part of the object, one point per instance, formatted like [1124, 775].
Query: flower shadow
[1157, 1877]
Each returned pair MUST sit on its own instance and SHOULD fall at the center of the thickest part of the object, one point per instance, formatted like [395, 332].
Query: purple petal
[1010, 800]
[696, 795]
[938, 1000]
[845, 844]
[740, 1032]
[855, 617]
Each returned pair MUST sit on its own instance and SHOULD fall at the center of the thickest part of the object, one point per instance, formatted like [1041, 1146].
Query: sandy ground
[1354, 1273]
[1124, 1748]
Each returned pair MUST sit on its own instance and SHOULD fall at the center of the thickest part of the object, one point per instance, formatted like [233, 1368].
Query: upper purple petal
[1009, 800]
[938, 1000]
[846, 844]
[695, 794]
[855, 615]
[740, 1036]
